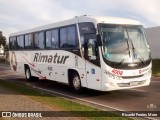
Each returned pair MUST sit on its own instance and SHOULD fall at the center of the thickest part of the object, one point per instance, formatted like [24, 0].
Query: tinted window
[39, 40]
[36, 40]
[20, 42]
[63, 38]
[68, 37]
[71, 32]
[86, 28]
[13, 43]
[10, 44]
[55, 42]
[92, 48]
[52, 39]
[48, 39]
[28, 41]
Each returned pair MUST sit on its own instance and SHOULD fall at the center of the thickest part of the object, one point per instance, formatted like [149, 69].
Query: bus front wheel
[76, 83]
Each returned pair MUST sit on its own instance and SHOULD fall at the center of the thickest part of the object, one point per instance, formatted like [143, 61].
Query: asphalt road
[138, 99]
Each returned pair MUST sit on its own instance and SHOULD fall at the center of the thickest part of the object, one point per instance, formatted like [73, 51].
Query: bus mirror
[99, 42]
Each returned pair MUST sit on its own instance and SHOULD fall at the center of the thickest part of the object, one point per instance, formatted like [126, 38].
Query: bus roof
[84, 18]
[109, 20]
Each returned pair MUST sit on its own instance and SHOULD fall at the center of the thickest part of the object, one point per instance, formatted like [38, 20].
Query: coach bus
[101, 53]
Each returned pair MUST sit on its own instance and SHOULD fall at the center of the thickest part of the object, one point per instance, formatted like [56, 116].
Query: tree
[2, 39]
[6, 47]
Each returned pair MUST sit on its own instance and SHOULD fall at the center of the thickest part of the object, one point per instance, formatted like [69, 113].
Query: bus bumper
[111, 84]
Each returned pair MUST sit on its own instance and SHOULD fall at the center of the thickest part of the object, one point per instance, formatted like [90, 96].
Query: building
[153, 36]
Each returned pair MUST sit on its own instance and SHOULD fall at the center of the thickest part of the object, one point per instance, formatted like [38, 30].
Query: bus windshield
[124, 43]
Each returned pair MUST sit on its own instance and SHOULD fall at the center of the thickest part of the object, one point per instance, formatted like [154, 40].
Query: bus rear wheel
[28, 74]
[76, 83]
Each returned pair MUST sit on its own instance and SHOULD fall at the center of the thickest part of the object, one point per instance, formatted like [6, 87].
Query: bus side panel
[16, 61]
[78, 64]
[62, 74]
[53, 70]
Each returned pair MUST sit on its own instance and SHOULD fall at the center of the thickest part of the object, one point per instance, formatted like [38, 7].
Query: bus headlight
[113, 76]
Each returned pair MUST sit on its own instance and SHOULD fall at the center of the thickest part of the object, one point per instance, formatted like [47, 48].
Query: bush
[156, 66]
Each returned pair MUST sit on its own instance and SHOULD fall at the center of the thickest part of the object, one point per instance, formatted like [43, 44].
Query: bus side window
[63, 38]
[72, 37]
[82, 44]
[48, 39]
[10, 43]
[92, 49]
[30, 41]
[36, 41]
[20, 42]
[26, 41]
[13, 43]
[68, 37]
[55, 39]
[39, 40]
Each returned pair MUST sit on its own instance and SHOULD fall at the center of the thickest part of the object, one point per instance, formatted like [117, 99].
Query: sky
[18, 15]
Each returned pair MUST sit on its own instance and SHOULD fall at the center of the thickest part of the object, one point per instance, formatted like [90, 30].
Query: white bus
[101, 53]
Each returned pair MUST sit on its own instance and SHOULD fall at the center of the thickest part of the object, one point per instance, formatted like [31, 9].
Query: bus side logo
[14, 61]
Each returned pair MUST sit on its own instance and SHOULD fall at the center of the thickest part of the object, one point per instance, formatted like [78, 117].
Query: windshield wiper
[125, 53]
[136, 52]
[122, 61]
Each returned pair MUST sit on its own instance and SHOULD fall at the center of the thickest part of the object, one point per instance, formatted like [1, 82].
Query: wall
[153, 37]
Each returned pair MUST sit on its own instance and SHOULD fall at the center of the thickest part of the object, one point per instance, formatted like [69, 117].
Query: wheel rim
[76, 83]
[27, 74]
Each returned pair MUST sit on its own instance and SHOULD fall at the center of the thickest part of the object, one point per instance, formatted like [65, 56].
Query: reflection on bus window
[92, 48]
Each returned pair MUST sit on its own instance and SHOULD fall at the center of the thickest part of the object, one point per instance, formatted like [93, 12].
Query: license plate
[134, 83]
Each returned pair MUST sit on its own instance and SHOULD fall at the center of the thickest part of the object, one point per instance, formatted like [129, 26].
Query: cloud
[18, 15]
[145, 11]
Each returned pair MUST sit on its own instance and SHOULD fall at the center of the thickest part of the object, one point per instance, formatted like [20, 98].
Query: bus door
[92, 62]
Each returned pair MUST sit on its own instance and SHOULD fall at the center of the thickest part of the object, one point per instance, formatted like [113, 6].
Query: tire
[76, 83]
[28, 74]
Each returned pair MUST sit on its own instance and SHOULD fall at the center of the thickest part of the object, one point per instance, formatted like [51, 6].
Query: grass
[156, 67]
[59, 103]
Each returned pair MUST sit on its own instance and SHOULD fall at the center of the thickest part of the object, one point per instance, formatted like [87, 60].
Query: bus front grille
[135, 83]
[130, 77]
